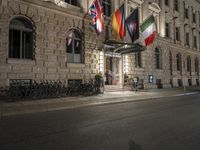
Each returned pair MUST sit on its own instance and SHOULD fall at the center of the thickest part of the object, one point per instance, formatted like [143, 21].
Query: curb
[47, 107]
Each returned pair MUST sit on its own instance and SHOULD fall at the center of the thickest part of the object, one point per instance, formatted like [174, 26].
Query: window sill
[176, 11]
[167, 38]
[194, 48]
[194, 24]
[159, 69]
[75, 65]
[21, 61]
[178, 42]
[139, 68]
[69, 6]
[166, 5]
[187, 46]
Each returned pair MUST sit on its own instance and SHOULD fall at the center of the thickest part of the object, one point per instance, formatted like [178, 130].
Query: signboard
[150, 78]
[111, 54]
[135, 79]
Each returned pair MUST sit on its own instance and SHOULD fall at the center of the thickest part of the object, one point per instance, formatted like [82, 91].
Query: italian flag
[148, 28]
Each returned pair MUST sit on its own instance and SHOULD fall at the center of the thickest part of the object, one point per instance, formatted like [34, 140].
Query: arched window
[197, 66]
[21, 38]
[188, 64]
[178, 62]
[158, 58]
[107, 7]
[72, 2]
[74, 47]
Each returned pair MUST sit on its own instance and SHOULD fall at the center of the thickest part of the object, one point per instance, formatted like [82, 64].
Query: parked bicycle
[49, 89]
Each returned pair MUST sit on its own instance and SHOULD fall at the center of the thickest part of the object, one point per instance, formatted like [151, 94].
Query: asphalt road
[158, 124]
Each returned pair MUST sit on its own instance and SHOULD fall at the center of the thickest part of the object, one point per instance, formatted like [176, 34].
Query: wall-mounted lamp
[101, 61]
[126, 64]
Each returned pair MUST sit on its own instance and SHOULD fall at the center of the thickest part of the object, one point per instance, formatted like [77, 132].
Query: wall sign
[111, 54]
[150, 78]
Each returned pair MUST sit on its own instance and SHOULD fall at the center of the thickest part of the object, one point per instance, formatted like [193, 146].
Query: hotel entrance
[114, 63]
[113, 72]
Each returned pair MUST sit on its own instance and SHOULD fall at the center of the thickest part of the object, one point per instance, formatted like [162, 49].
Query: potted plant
[98, 78]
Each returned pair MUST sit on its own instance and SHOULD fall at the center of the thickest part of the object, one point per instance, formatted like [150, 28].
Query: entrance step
[113, 88]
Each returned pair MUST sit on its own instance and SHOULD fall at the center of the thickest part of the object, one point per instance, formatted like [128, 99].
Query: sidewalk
[45, 105]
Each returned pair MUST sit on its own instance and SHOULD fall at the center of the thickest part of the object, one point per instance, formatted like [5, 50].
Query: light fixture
[101, 61]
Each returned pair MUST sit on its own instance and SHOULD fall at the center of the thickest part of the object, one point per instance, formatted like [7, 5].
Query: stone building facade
[54, 40]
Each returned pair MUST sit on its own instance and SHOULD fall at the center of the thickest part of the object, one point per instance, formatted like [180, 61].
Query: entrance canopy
[122, 47]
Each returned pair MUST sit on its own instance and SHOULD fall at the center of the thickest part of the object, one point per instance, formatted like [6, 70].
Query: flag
[96, 11]
[148, 28]
[69, 39]
[118, 22]
[132, 24]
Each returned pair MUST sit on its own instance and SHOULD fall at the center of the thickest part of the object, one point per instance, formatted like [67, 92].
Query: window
[187, 42]
[177, 34]
[176, 5]
[107, 7]
[199, 19]
[199, 41]
[186, 13]
[158, 58]
[195, 42]
[74, 47]
[178, 61]
[194, 17]
[138, 60]
[72, 2]
[167, 30]
[188, 64]
[170, 63]
[21, 38]
[197, 81]
[167, 2]
[159, 3]
[197, 65]
[190, 82]
[180, 83]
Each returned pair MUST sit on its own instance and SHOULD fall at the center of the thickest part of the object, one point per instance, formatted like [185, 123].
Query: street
[156, 124]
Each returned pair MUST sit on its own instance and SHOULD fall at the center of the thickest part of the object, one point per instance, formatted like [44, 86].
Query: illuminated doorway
[112, 71]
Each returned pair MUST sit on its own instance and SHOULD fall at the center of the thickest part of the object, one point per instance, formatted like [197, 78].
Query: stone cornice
[53, 7]
[154, 7]
[198, 1]
[136, 1]
[178, 47]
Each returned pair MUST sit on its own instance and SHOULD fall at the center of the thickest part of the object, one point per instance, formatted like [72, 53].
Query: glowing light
[101, 61]
[126, 64]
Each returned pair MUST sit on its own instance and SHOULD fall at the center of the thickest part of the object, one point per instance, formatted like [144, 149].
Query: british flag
[96, 11]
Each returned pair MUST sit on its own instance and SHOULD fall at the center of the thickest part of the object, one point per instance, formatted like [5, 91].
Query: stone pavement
[45, 105]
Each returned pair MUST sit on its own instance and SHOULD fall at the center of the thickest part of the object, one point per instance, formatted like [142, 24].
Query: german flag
[118, 22]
